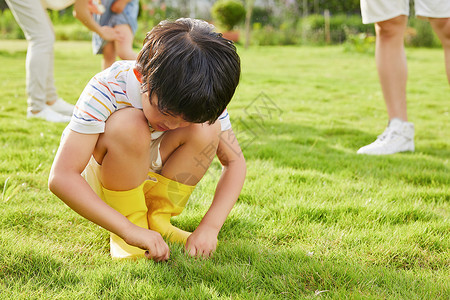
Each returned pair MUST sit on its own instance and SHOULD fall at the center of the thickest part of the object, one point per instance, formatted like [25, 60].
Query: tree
[228, 13]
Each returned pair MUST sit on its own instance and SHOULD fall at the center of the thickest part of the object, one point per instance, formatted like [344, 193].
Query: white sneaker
[397, 137]
[62, 107]
[49, 115]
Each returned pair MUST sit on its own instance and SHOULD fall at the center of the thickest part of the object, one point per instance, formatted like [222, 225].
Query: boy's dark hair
[193, 70]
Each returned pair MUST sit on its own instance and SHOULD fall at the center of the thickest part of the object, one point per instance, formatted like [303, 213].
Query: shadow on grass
[251, 270]
[333, 151]
[27, 267]
[13, 54]
[240, 268]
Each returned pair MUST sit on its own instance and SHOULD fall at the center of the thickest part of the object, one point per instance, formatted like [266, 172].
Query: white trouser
[38, 29]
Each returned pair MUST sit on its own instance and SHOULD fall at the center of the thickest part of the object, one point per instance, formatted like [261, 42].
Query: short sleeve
[94, 107]
[224, 119]
[105, 93]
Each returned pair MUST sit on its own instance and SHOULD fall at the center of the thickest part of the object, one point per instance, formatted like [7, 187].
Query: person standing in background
[43, 101]
[390, 18]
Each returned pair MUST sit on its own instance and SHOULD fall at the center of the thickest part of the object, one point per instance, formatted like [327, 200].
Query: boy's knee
[128, 128]
[204, 134]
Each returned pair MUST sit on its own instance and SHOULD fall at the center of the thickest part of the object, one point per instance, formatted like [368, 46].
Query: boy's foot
[62, 107]
[397, 137]
[49, 115]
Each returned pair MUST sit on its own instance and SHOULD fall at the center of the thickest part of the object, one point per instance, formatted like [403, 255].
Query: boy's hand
[149, 240]
[118, 6]
[202, 242]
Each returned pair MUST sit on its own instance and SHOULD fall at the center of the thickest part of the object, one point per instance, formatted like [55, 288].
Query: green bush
[420, 34]
[261, 15]
[340, 27]
[73, 32]
[269, 35]
[336, 6]
[228, 13]
[64, 16]
[360, 42]
[312, 29]
[9, 29]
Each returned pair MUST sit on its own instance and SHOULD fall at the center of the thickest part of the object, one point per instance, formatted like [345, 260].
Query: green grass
[313, 220]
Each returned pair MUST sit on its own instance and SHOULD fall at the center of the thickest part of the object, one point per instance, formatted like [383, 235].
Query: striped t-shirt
[110, 90]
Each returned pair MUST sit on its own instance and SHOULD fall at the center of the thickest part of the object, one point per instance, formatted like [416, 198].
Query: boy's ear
[137, 74]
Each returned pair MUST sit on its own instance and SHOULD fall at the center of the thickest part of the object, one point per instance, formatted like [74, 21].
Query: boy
[166, 105]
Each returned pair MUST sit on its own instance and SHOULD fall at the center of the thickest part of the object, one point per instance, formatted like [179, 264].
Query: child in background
[122, 16]
[83, 11]
[144, 133]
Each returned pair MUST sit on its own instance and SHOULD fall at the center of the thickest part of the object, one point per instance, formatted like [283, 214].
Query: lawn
[314, 220]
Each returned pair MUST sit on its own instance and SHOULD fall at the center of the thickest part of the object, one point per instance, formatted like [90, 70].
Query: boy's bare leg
[188, 152]
[124, 46]
[124, 153]
[109, 55]
[123, 150]
[186, 155]
[442, 28]
[391, 63]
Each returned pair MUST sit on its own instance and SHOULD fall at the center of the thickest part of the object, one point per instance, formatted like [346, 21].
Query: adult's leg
[392, 70]
[35, 23]
[50, 92]
[442, 28]
[391, 64]
[124, 47]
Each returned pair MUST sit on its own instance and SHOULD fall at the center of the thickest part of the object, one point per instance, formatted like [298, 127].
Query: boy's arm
[65, 181]
[82, 13]
[203, 240]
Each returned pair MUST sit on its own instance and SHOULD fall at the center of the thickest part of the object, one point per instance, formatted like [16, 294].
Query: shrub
[360, 42]
[340, 27]
[73, 32]
[228, 13]
[420, 34]
[269, 35]
[261, 15]
[9, 29]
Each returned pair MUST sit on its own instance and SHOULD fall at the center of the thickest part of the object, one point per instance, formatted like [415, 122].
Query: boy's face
[158, 120]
